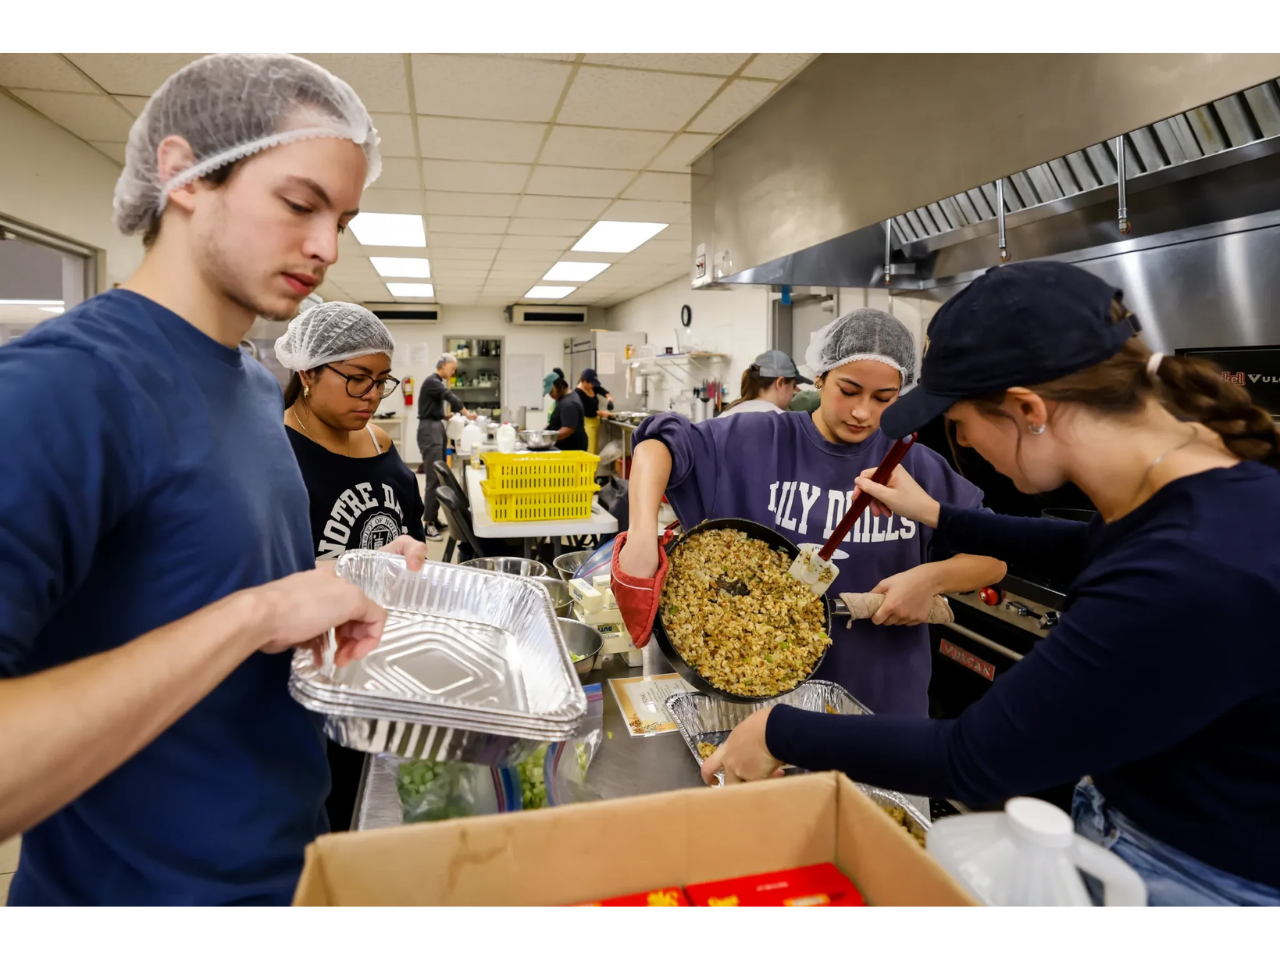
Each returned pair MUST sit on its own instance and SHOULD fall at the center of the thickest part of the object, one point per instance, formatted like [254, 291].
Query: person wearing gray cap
[768, 385]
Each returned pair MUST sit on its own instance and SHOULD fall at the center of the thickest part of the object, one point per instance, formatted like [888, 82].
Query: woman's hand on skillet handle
[901, 496]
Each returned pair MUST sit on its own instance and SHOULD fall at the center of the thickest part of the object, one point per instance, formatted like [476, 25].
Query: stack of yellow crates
[524, 487]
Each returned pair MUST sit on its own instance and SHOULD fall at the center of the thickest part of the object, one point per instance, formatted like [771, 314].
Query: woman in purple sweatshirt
[795, 472]
[1160, 685]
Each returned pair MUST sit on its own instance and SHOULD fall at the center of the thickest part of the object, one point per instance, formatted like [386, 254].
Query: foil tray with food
[705, 722]
[903, 810]
[472, 667]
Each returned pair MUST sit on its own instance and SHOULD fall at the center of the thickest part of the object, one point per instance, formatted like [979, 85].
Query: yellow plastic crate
[531, 472]
[529, 505]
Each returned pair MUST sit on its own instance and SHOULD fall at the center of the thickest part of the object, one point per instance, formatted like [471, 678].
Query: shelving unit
[477, 356]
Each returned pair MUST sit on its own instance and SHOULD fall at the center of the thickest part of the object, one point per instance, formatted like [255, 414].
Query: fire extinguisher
[408, 391]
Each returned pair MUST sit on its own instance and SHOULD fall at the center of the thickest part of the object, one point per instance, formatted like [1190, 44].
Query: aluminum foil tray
[463, 648]
[417, 741]
[700, 717]
[914, 820]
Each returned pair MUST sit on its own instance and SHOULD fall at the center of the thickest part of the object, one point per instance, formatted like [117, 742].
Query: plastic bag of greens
[433, 790]
[557, 773]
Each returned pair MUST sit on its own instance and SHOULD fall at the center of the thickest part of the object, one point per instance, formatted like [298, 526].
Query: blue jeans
[1173, 879]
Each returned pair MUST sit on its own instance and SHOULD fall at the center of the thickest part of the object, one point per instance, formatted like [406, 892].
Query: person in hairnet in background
[362, 495]
[156, 560]
[796, 473]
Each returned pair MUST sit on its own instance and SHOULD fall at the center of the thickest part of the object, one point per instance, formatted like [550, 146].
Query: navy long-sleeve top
[1161, 679]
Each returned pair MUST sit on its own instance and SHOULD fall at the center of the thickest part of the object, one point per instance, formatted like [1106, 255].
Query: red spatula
[813, 566]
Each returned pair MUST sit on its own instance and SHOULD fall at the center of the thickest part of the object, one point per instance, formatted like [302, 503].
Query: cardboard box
[820, 885]
[577, 854]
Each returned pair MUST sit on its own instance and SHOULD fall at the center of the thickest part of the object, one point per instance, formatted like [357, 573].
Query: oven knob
[1049, 620]
[1020, 609]
[990, 596]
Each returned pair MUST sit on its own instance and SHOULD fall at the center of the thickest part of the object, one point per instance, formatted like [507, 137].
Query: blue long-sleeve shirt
[1161, 679]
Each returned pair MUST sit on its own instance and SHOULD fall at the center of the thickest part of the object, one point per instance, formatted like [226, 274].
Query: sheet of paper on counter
[642, 699]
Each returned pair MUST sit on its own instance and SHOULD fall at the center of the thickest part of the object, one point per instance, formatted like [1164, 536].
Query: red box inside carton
[821, 885]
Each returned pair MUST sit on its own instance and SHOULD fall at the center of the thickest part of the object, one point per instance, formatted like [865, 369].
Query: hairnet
[228, 106]
[864, 334]
[330, 333]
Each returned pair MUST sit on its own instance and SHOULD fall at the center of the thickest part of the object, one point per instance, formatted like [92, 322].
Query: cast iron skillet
[1069, 513]
[758, 532]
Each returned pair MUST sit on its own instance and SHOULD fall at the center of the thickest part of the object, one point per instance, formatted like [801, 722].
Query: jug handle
[1122, 887]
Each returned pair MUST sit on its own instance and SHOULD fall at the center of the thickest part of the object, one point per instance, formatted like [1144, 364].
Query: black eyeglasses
[361, 384]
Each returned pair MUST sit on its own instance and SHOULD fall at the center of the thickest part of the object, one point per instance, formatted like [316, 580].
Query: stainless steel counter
[624, 767]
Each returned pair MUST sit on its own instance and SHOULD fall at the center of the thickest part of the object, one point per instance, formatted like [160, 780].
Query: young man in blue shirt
[155, 563]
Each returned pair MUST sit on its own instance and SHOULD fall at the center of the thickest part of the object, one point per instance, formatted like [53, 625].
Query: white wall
[479, 322]
[733, 320]
[50, 179]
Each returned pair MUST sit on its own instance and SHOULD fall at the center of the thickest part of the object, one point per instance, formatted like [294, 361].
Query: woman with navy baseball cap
[1160, 685]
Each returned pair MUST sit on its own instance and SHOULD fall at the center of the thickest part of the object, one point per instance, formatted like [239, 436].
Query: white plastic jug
[506, 438]
[455, 427]
[472, 438]
[1028, 856]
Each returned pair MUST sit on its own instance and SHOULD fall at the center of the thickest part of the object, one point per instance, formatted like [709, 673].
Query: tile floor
[9, 848]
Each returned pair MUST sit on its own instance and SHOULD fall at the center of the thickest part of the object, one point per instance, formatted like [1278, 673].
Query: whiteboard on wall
[524, 380]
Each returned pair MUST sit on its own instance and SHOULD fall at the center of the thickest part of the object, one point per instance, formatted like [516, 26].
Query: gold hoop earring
[306, 391]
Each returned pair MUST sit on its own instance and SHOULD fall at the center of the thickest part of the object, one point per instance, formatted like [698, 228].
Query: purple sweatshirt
[778, 470]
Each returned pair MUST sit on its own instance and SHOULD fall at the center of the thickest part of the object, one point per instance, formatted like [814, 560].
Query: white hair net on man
[331, 333]
[864, 334]
[228, 106]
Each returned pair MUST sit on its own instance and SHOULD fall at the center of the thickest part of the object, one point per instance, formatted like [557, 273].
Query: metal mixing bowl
[539, 439]
[514, 565]
[561, 596]
[567, 564]
[583, 641]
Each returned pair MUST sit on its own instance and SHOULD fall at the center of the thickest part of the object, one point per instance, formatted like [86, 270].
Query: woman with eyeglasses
[362, 494]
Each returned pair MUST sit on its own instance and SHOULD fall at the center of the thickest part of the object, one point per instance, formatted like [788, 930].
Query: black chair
[447, 479]
[458, 519]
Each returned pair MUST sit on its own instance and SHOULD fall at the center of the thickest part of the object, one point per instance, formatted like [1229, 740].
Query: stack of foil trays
[471, 667]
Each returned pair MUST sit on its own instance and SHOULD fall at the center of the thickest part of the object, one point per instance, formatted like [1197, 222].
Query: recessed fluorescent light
[389, 230]
[549, 293]
[411, 289]
[402, 266]
[617, 236]
[32, 303]
[52, 309]
[576, 270]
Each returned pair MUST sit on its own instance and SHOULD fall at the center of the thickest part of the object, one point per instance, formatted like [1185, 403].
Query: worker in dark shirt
[568, 417]
[432, 437]
[1160, 683]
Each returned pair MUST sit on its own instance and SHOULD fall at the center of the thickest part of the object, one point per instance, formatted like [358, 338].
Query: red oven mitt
[638, 597]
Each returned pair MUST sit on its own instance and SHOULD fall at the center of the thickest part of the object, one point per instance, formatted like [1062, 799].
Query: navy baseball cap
[775, 363]
[1015, 326]
[589, 376]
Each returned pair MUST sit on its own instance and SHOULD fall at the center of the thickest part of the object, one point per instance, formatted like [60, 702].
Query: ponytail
[753, 385]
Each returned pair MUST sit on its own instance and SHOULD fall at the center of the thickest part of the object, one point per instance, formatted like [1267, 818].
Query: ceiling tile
[449, 138]
[460, 277]
[472, 204]
[577, 181]
[776, 66]
[461, 253]
[568, 57]
[378, 78]
[574, 208]
[734, 103]
[469, 241]
[87, 115]
[649, 211]
[533, 259]
[452, 224]
[638, 101]
[549, 228]
[42, 71]
[479, 261]
[475, 177]
[591, 147]
[378, 200]
[682, 152]
[398, 173]
[590, 257]
[657, 251]
[660, 186]
[134, 105]
[113, 150]
[536, 243]
[135, 74]
[367, 290]
[352, 268]
[720, 64]
[331, 291]
[395, 131]
[479, 87]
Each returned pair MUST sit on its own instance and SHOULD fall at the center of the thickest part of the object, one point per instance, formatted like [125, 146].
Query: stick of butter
[587, 596]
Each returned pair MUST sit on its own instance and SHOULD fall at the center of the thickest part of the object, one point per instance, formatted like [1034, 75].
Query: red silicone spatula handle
[863, 499]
